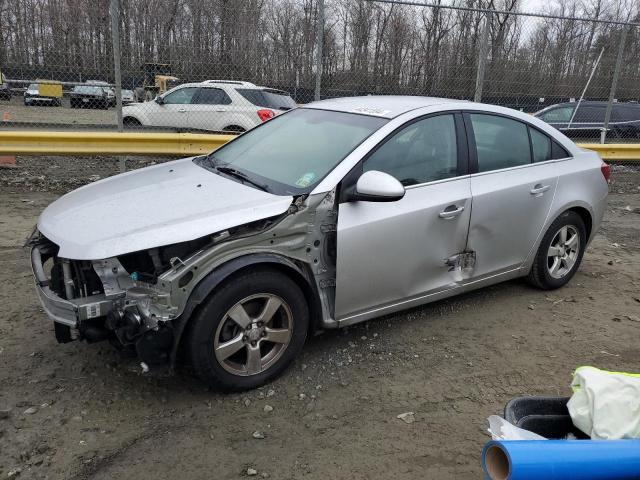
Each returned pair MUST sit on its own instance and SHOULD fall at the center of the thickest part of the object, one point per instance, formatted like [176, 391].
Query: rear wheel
[248, 331]
[560, 252]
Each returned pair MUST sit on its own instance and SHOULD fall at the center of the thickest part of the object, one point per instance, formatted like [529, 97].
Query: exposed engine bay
[143, 299]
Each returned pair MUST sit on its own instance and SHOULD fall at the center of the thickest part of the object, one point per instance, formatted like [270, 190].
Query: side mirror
[159, 100]
[375, 186]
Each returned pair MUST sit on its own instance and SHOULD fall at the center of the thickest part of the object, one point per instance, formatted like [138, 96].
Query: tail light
[606, 171]
[266, 114]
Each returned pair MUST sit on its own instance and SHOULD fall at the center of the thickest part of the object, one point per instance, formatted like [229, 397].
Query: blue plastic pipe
[562, 459]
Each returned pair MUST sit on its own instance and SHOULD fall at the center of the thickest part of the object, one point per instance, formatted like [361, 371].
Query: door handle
[182, 110]
[221, 109]
[539, 189]
[451, 211]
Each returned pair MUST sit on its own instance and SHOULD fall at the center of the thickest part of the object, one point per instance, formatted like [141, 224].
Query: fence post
[482, 58]
[114, 12]
[614, 83]
[319, 42]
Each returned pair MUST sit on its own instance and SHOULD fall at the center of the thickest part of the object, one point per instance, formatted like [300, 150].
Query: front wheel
[248, 331]
[560, 252]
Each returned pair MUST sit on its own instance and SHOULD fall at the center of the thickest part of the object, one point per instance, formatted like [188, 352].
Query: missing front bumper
[60, 310]
[72, 312]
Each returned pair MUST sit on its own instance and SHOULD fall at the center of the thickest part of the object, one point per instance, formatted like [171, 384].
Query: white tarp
[605, 405]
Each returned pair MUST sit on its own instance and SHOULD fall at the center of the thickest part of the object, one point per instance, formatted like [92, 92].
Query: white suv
[215, 105]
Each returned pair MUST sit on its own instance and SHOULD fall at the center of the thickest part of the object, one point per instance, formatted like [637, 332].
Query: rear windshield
[268, 98]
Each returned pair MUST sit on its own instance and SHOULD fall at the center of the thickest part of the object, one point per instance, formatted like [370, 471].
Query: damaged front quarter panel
[304, 238]
[147, 297]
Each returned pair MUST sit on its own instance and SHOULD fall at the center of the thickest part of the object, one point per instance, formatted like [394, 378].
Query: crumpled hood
[151, 207]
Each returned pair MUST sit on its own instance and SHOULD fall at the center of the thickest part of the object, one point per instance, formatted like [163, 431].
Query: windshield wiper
[242, 176]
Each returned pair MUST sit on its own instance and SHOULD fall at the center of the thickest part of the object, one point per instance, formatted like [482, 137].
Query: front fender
[137, 113]
[208, 284]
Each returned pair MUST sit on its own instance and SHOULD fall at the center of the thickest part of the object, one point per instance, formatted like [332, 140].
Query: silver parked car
[322, 217]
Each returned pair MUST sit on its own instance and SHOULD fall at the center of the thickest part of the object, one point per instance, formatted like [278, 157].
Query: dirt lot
[63, 116]
[82, 411]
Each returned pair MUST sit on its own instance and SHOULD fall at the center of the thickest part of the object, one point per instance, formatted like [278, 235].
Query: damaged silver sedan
[325, 216]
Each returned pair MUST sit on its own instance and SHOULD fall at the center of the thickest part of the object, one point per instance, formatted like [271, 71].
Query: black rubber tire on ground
[234, 129]
[201, 330]
[539, 275]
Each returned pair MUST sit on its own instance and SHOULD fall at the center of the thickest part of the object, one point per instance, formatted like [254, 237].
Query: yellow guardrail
[108, 143]
[182, 144]
[615, 152]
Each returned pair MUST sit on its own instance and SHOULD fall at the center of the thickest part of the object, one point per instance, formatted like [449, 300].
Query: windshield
[268, 98]
[88, 89]
[292, 152]
[32, 86]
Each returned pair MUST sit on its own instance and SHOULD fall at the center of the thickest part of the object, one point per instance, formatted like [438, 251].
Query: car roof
[388, 106]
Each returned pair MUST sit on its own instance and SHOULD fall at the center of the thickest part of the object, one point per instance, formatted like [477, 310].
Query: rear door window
[544, 148]
[625, 113]
[500, 142]
[558, 151]
[590, 114]
[540, 146]
[268, 98]
[212, 96]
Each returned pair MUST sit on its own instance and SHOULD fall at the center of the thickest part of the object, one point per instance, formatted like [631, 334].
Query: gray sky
[534, 5]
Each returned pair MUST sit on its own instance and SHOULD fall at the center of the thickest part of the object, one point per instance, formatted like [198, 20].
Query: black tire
[234, 129]
[205, 325]
[540, 275]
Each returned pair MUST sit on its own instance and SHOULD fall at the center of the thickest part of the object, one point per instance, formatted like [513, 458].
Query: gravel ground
[63, 116]
[79, 411]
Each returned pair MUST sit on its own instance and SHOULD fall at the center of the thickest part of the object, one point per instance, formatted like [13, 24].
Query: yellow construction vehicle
[157, 80]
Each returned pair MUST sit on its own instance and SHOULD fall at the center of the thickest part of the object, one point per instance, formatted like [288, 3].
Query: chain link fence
[222, 65]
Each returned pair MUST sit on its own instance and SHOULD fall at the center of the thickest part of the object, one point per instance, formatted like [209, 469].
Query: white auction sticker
[371, 111]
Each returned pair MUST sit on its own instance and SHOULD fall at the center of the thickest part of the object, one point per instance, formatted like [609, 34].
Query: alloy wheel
[253, 334]
[563, 251]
